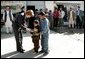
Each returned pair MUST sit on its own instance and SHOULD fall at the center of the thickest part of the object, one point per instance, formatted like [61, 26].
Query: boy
[35, 35]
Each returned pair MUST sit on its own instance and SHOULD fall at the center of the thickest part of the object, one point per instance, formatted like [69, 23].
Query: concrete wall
[37, 4]
[18, 5]
[49, 5]
[72, 3]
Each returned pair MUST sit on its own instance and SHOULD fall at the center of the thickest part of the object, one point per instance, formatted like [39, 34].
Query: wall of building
[37, 4]
[17, 4]
[72, 3]
[49, 5]
[41, 4]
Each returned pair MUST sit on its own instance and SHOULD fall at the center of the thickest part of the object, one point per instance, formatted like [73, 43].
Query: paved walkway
[65, 44]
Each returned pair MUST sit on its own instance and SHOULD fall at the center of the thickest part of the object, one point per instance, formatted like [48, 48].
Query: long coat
[73, 15]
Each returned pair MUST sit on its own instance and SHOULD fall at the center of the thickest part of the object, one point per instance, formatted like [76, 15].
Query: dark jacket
[9, 15]
[31, 20]
[19, 21]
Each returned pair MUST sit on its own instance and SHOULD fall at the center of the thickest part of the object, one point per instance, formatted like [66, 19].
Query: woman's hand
[27, 29]
[19, 29]
[31, 30]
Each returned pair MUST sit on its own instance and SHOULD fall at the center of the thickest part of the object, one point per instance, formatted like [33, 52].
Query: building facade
[41, 4]
[37, 4]
[74, 4]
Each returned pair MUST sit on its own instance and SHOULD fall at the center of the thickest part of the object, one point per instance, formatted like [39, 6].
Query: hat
[22, 7]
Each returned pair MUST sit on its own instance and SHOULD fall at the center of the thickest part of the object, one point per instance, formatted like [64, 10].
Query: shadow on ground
[28, 54]
[68, 31]
[25, 34]
[4, 35]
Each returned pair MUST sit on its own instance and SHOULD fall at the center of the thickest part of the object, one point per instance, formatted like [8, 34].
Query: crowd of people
[39, 24]
[75, 18]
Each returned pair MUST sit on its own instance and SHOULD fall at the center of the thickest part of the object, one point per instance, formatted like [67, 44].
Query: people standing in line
[50, 18]
[17, 28]
[61, 16]
[71, 17]
[44, 29]
[8, 19]
[56, 17]
[79, 15]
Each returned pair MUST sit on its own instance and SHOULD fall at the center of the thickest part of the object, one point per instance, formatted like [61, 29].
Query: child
[35, 35]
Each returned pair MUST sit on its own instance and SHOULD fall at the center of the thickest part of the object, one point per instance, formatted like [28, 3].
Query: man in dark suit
[17, 27]
[79, 14]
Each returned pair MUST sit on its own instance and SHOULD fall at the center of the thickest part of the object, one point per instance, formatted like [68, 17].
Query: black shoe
[18, 51]
[41, 51]
[10, 32]
[21, 51]
[46, 53]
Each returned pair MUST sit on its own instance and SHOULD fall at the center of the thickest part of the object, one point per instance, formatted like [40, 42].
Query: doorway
[60, 6]
[31, 7]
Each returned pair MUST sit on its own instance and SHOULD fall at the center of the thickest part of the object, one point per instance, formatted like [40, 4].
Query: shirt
[44, 25]
[56, 14]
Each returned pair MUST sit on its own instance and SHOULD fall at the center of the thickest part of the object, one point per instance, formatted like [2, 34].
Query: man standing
[17, 27]
[44, 26]
[79, 17]
[71, 17]
[8, 19]
[56, 17]
[50, 17]
[61, 16]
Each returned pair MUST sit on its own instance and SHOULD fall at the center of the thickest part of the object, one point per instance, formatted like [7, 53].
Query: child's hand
[35, 29]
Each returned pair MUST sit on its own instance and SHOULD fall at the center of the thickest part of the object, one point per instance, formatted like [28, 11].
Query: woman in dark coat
[30, 18]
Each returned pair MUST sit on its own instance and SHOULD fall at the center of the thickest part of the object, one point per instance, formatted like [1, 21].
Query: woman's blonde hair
[29, 12]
